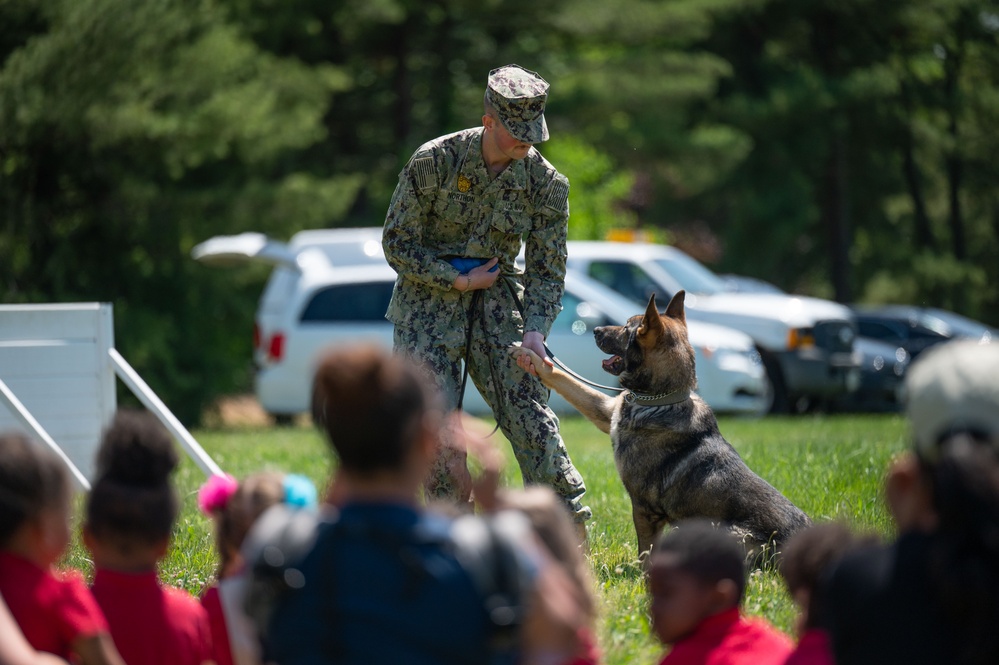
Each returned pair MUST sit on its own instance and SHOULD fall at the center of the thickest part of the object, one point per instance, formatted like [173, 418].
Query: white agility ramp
[57, 382]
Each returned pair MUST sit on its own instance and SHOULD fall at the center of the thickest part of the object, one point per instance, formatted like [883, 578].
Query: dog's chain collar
[660, 399]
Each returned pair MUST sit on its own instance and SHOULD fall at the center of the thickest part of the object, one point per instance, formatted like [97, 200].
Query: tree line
[841, 148]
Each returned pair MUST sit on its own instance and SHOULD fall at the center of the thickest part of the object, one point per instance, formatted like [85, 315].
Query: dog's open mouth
[614, 365]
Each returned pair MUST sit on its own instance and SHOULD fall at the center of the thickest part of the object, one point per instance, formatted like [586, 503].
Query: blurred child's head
[948, 481]
[696, 571]
[34, 499]
[807, 554]
[132, 505]
[552, 523]
[235, 506]
[375, 408]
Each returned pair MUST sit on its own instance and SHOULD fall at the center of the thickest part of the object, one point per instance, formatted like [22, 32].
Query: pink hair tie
[216, 492]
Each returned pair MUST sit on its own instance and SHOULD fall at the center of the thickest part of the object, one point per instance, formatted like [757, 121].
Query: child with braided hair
[130, 515]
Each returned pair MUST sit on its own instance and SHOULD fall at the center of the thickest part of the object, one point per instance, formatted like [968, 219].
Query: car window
[365, 301]
[880, 330]
[692, 276]
[922, 332]
[626, 278]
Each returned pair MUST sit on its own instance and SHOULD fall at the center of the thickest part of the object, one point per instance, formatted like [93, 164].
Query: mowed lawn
[830, 466]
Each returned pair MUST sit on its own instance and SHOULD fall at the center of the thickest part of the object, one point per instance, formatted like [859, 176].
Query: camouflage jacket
[447, 205]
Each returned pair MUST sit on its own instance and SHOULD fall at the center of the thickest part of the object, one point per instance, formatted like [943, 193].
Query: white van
[333, 286]
[807, 344]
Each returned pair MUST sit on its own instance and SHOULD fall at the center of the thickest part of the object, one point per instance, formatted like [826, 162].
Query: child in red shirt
[130, 515]
[55, 610]
[235, 506]
[806, 556]
[697, 577]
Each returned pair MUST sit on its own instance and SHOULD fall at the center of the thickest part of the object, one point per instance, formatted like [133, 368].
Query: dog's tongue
[613, 365]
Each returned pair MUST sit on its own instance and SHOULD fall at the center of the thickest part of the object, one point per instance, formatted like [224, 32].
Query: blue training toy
[465, 263]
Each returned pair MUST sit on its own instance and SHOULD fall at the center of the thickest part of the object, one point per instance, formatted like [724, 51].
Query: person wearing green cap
[465, 205]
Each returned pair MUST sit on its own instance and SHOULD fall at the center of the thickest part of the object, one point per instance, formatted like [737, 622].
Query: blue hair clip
[299, 491]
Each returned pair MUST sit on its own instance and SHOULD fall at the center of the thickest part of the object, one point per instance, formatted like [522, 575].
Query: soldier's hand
[481, 278]
[531, 362]
[535, 341]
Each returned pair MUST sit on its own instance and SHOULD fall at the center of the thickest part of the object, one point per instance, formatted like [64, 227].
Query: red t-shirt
[53, 608]
[150, 623]
[727, 638]
[212, 602]
[814, 648]
[589, 652]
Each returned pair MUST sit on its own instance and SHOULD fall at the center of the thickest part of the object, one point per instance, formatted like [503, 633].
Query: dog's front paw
[531, 362]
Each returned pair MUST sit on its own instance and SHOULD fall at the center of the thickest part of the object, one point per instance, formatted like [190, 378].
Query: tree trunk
[401, 83]
[954, 164]
[910, 170]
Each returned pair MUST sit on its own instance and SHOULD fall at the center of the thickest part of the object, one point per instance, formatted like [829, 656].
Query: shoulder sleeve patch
[558, 194]
[424, 173]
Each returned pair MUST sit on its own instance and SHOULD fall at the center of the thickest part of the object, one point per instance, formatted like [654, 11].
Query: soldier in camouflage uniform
[482, 193]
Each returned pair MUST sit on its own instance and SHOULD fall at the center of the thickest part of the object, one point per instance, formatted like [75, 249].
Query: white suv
[806, 343]
[333, 286]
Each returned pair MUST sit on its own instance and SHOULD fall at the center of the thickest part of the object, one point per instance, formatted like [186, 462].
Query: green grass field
[831, 467]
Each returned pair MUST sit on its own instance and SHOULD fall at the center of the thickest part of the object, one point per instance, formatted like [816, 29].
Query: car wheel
[778, 389]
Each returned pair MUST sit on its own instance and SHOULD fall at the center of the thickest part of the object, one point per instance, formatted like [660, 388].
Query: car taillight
[275, 350]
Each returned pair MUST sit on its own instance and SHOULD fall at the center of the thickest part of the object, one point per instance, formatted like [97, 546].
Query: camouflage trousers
[519, 403]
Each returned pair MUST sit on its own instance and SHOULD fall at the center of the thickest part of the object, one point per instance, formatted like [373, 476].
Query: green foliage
[934, 280]
[832, 467]
[596, 188]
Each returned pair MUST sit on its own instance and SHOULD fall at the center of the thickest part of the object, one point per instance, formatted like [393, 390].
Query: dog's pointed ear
[651, 322]
[674, 309]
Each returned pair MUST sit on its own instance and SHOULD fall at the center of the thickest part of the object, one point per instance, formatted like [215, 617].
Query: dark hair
[707, 552]
[132, 499]
[964, 558]
[810, 552]
[32, 478]
[370, 404]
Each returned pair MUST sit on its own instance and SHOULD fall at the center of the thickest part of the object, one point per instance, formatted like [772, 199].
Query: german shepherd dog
[671, 457]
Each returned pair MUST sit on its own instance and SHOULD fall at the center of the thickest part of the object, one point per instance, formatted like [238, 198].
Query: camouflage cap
[519, 97]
